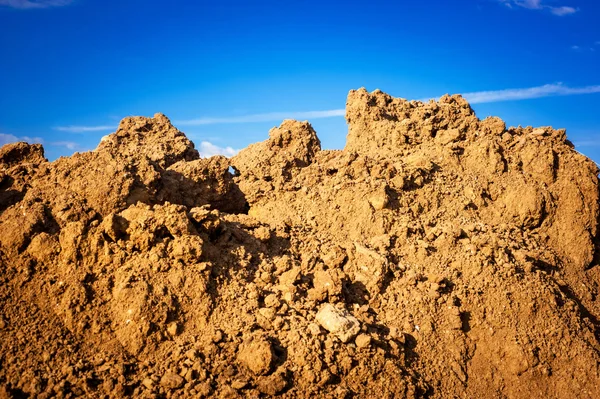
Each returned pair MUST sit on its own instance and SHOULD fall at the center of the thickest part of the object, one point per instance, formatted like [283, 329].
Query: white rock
[338, 322]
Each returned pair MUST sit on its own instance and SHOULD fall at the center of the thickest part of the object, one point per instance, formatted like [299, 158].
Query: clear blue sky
[70, 70]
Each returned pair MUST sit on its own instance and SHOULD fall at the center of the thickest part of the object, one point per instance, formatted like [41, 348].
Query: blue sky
[226, 72]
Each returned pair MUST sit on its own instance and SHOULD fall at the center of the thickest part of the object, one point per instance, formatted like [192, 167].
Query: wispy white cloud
[29, 4]
[10, 138]
[208, 149]
[85, 129]
[590, 142]
[583, 49]
[268, 117]
[549, 90]
[70, 145]
[7, 139]
[560, 11]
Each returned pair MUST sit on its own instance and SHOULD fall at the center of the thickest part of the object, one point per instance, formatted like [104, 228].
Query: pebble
[171, 381]
[239, 384]
[257, 356]
[191, 354]
[148, 383]
[363, 341]
[218, 337]
[173, 328]
[271, 301]
[338, 322]
[272, 385]
[314, 329]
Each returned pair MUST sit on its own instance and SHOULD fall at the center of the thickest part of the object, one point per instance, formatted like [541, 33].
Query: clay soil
[436, 256]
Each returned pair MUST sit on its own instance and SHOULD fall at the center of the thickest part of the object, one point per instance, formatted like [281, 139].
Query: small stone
[172, 381]
[239, 384]
[204, 389]
[148, 383]
[379, 200]
[272, 385]
[192, 354]
[290, 277]
[267, 313]
[271, 301]
[218, 337]
[173, 328]
[314, 329]
[189, 375]
[257, 355]
[262, 233]
[363, 341]
[338, 322]
[448, 136]
[326, 282]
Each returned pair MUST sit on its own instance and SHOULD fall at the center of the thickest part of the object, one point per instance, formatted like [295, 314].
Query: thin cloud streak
[71, 145]
[10, 138]
[549, 90]
[588, 143]
[559, 11]
[7, 139]
[268, 117]
[480, 97]
[31, 4]
[85, 129]
[562, 11]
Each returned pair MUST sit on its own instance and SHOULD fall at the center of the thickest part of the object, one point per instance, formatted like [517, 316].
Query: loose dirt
[437, 255]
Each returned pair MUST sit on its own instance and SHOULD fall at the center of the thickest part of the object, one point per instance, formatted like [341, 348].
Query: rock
[191, 354]
[257, 355]
[290, 277]
[338, 322]
[239, 384]
[379, 199]
[314, 329]
[173, 329]
[326, 282]
[148, 383]
[171, 380]
[368, 267]
[271, 301]
[448, 136]
[218, 337]
[363, 341]
[272, 385]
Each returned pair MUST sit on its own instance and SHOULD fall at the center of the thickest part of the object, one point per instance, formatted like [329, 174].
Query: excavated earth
[437, 255]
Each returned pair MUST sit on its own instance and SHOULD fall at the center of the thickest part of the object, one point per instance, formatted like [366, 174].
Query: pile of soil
[437, 255]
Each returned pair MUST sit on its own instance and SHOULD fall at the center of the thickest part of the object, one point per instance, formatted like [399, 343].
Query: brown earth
[437, 255]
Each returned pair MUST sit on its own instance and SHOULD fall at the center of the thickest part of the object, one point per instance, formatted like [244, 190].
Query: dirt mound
[437, 255]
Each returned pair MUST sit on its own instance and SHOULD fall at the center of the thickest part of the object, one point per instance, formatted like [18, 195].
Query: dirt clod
[171, 381]
[257, 355]
[363, 341]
